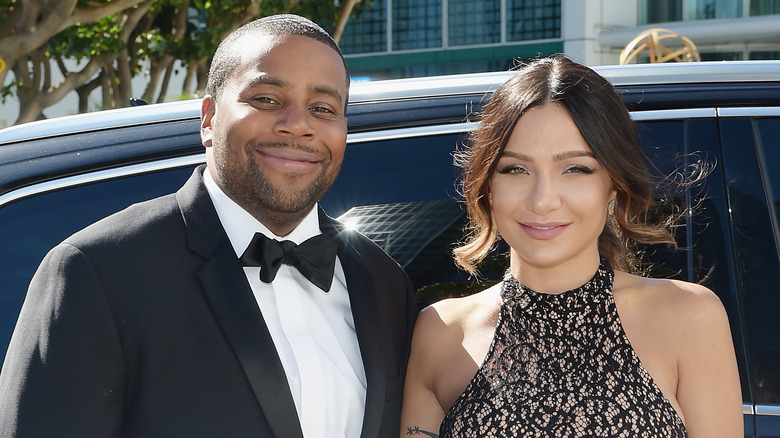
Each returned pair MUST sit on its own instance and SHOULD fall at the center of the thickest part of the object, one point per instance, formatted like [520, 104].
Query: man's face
[276, 136]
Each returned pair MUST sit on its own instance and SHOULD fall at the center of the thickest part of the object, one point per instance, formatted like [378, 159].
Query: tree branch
[94, 13]
[346, 11]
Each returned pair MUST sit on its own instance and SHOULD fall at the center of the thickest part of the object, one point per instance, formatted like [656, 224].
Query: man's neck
[280, 223]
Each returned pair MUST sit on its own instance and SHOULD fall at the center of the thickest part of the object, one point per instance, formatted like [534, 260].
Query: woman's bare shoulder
[459, 315]
[451, 338]
[680, 331]
[681, 305]
[665, 292]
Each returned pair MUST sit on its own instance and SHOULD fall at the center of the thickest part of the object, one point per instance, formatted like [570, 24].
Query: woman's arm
[708, 387]
[421, 413]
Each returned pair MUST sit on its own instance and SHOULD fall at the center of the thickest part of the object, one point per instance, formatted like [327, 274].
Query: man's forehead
[253, 52]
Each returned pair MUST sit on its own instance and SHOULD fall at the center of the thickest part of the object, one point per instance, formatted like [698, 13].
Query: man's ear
[207, 109]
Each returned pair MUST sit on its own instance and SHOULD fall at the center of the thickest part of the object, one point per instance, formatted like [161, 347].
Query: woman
[570, 343]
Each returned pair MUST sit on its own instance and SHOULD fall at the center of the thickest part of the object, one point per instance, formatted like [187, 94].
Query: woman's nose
[544, 196]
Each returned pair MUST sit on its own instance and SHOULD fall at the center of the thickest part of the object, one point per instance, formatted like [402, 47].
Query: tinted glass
[417, 24]
[758, 271]
[34, 225]
[533, 19]
[401, 193]
[659, 11]
[473, 22]
[766, 301]
[367, 32]
[391, 171]
[708, 9]
[678, 148]
[764, 7]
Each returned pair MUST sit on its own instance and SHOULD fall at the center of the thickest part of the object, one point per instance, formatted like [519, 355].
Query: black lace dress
[561, 366]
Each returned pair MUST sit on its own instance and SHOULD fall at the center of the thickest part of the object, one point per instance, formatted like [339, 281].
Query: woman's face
[549, 194]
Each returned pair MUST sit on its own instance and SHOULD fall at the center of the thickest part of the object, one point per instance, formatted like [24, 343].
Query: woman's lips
[544, 231]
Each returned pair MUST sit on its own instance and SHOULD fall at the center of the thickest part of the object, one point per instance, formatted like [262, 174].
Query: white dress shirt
[313, 331]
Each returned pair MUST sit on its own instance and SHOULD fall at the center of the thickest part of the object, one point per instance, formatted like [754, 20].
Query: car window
[394, 170]
[765, 302]
[768, 131]
[401, 193]
[32, 226]
[758, 267]
[684, 146]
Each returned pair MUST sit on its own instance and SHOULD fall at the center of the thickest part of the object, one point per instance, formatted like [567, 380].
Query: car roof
[476, 84]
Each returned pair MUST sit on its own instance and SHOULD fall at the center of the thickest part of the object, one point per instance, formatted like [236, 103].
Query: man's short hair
[228, 55]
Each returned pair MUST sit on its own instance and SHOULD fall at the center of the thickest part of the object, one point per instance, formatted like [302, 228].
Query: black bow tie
[315, 258]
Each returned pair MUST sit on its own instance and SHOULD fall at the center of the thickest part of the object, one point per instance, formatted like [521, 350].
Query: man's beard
[254, 191]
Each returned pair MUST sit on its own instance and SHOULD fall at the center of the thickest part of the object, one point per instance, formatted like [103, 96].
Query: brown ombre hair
[606, 126]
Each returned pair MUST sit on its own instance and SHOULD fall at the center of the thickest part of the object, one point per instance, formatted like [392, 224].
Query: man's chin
[291, 202]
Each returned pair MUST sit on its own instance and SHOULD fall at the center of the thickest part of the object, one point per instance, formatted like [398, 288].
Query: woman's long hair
[606, 126]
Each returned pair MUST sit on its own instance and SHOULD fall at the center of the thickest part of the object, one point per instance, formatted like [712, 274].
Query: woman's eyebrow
[557, 157]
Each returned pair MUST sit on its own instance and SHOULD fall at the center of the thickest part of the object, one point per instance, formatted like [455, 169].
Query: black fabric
[315, 258]
[143, 325]
[561, 365]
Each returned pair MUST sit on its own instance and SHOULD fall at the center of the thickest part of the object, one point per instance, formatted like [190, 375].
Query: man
[168, 320]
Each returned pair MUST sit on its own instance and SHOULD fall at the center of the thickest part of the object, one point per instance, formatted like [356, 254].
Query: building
[406, 38]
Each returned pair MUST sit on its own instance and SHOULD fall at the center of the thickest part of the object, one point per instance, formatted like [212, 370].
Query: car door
[751, 162]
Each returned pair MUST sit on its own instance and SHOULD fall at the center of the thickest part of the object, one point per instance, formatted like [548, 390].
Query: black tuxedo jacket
[144, 325]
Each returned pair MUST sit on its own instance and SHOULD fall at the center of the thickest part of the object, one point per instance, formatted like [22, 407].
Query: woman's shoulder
[665, 291]
[463, 312]
[451, 339]
[681, 305]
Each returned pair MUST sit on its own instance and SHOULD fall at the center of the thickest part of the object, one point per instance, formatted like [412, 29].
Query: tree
[25, 29]
[120, 41]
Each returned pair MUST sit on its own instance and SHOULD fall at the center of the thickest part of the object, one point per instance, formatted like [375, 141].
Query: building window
[533, 19]
[368, 32]
[417, 24]
[722, 56]
[708, 9]
[764, 55]
[471, 22]
[660, 11]
[764, 7]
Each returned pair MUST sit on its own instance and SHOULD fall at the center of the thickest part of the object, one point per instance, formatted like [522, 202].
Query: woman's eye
[580, 169]
[513, 169]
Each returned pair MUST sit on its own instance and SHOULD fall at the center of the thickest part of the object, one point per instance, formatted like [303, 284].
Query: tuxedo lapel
[235, 307]
[360, 286]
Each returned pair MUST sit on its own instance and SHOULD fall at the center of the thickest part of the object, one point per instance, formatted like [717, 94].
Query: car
[398, 185]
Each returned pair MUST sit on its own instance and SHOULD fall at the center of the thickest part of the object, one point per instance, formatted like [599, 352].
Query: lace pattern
[561, 366]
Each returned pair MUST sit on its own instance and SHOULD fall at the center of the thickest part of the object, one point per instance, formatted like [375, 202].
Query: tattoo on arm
[416, 431]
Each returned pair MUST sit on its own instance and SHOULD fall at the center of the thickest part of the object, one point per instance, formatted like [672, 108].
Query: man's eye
[322, 109]
[264, 100]
[323, 112]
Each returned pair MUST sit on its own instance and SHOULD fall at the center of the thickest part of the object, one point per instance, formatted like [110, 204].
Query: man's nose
[294, 120]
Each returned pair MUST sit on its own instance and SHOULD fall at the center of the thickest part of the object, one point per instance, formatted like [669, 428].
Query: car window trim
[459, 128]
[415, 131]
[356, 138]
[671, 114]
[763, 111]
[767, 410]
[101, 175]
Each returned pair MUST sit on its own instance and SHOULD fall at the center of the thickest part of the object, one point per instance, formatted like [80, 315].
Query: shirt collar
[241, 226]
